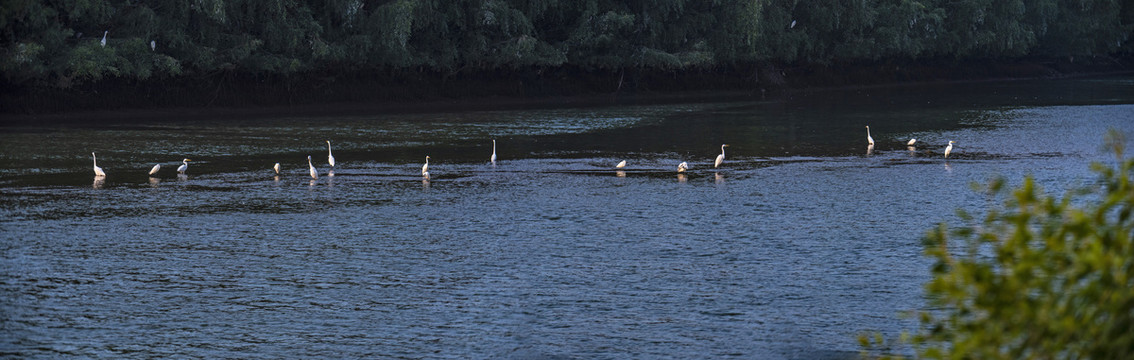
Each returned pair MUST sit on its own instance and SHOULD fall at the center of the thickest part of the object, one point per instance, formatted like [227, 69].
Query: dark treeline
[57, 45]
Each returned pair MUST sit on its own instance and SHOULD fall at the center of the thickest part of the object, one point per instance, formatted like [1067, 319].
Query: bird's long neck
[95, 158]
[328, 147]
[722, 150]
[867, 131]
[493, 146]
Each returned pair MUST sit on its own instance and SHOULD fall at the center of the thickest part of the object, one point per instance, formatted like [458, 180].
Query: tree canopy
[60, 42]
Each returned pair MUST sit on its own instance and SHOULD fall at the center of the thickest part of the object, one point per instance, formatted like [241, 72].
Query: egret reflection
[620, 173]
[99, 182]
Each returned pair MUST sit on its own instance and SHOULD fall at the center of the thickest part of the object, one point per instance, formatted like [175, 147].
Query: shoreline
[567, 94]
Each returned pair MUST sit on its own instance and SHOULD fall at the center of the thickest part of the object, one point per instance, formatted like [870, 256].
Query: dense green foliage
[57, 42]
[1043, 277]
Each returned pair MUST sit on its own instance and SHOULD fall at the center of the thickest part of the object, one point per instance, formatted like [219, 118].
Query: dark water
[801, 240]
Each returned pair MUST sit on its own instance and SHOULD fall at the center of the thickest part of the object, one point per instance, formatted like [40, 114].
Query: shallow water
[801, 240]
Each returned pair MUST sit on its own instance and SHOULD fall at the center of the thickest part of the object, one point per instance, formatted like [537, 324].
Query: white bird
[153, 45]
[792, 25]
[314, 174]
[103, 42]
[493, 158]
[948, 149]
[276, 168]
[97, 170]
[869, 140]
[330, 158]
[720, 158]
[425, 168]
[682, 167]
[911, 142]
[184, 166]
[621, 164]
[155, 169]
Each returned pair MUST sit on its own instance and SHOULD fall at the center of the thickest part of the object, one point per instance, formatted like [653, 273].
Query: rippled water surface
[801, 239]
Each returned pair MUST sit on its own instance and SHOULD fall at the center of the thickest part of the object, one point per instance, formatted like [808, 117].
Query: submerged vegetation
[55, 44]
[1043, 277]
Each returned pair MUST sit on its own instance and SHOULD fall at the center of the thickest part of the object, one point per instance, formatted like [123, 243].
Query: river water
[800, 240]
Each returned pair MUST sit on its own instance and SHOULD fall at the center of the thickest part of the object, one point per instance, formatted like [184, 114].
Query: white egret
[330, 157]
[682, 167]
[184, 166]
[153, 45]
[948, 149]
[621, 164]
[792, 25]
[314, 174]
[425, 168]
[103, 42]
[155, 169]
[720, 158]
[97, 170]
[911, 142]
[493, 158]
[869, 140]
[276, 168]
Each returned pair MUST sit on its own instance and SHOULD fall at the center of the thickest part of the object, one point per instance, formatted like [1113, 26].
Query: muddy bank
[327, 92]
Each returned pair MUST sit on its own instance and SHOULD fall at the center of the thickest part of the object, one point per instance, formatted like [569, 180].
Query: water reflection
[425, 183]
[620, 173]
[154, 181]
[948, 167]
[681, 178]
[913, 150]
[99, 182]
[311, 183]
[331, 172]
[182, 177]
[718, 178]
[276, 179]
[869, 149]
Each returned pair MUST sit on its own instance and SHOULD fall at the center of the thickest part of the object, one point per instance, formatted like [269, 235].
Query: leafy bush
[1043, 277]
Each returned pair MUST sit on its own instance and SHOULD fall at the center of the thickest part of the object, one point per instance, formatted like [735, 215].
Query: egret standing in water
[314, 174]
[911, 142]
[682, 167]
[153, 45]
[948, 149]
[621, 165]
[103, 42]
[184, 166]
[155, 169]
[425, 168]
[493, 158]
[869, 140]
[720, 158]
[276, 168]
[330, 160]
[97, 170]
